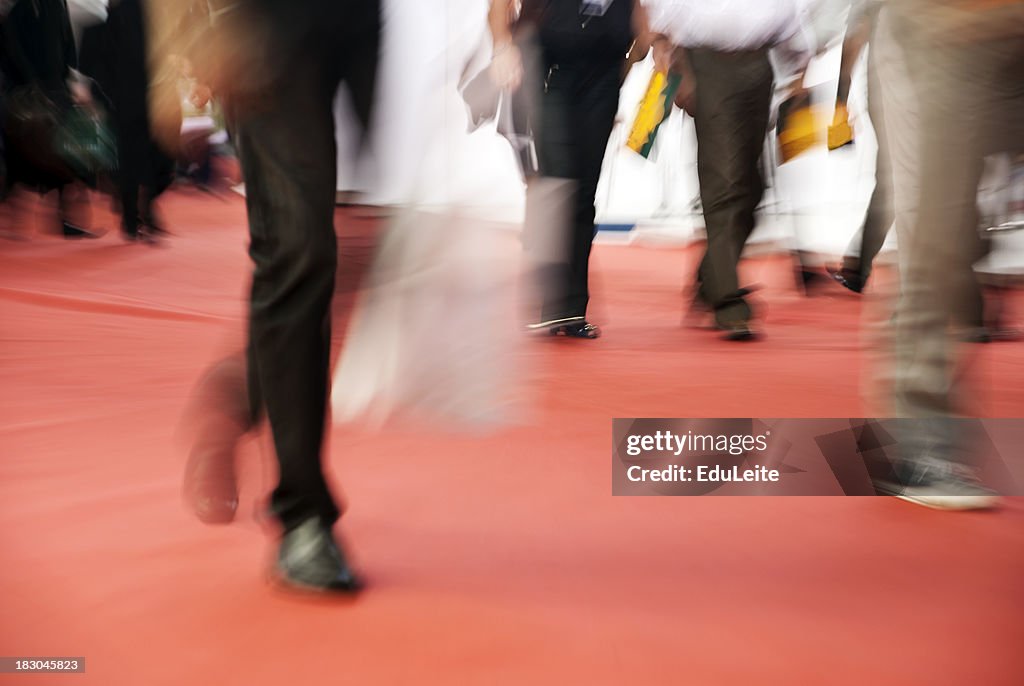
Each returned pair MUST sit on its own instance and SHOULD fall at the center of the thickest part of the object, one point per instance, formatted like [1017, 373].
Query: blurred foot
[72, 232]
[946, 487]
[219, 418]
[551, 323]
[310, 559]
[701, 315]
[1004, 335]
[847, 278]
[991, 334]
[152, 226]
[957, 496]
[141, 237]
[210, 488]
[738, 331]
[583, 329]
[130, 233]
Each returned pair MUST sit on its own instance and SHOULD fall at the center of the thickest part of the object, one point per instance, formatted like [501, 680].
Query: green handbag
[85, 142]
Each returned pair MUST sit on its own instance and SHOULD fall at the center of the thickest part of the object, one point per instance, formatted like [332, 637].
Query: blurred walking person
[569, 56]
[40, 87]
[722, 51]
[277, 67]
[114, 54]
[967, 62]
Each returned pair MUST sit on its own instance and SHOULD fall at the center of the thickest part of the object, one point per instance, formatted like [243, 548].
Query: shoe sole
[953, 503]
[282, 583]
[212, 515]
[547, 324]
[558, 332]
[200, 495]
[740, 336]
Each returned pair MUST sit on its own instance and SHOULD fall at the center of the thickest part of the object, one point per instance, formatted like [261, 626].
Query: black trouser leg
[159, 177]
[595, 113]
[287, 152]
[130, 172]
[577, 114]
[733, 100]
[287, 148]
[880, 214]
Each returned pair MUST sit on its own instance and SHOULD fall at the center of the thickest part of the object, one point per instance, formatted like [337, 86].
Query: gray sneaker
[943, 485]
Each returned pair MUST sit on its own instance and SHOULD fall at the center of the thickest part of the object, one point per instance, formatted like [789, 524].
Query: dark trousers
[733, 93]
[286, 143]
[880, 213]
[572, 124]
[144, 172]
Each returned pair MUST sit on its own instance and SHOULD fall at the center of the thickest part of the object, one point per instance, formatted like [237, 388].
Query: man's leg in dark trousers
[577, 114]
[595, 111]
[287, 150]
[131, 160]
[159, 177]
[880, 214]
[289, 159]
[733, 101]
[559, 147]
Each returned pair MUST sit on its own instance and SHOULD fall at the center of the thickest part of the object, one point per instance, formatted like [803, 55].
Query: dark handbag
[31, 123]
[86, 144]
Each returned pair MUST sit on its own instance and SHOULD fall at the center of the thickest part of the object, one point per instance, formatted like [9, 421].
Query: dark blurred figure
[114, 54]
[570, 56]
[967, 59]
[37, 61]
[277, 67]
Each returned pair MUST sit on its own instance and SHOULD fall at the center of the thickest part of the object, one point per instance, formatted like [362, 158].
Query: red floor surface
[494, 560]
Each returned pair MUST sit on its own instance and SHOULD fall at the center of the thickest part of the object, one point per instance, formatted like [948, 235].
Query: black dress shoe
[847, 278]
[142, 234]
[739, 331]
[151, 225]
[700, 313]
[70, 231]
[582, 329]
[310, 559]
[551, 324]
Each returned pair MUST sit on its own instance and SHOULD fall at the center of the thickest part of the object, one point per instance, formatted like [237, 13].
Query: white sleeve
[796, 43]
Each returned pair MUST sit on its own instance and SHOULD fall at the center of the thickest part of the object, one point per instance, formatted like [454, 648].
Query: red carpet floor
[494, 560]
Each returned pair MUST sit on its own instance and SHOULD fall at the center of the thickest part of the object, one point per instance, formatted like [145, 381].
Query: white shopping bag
[434, 334]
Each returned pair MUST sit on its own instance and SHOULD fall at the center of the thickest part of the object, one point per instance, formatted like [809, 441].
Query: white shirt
[726, 24]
